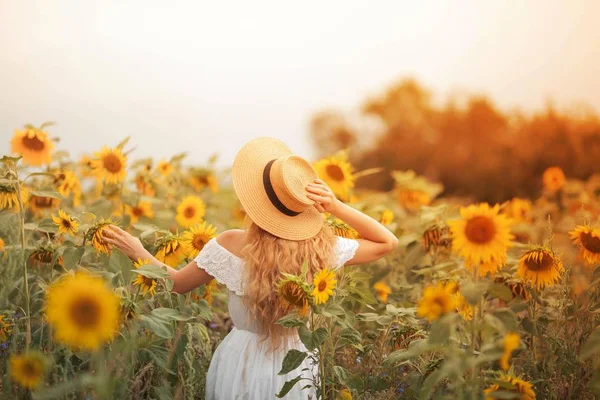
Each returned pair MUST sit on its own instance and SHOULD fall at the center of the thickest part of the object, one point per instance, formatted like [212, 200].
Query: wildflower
[436, 301]
[324, 285]
[539, 267]
[336, 171]
[387, 217]
[34, 144]
[293, 293]
[588, 240]
[110, 165]
[202, 178]
[190, 211]
[171, 251]
[142, 209]
[209, 288]
[65, 223]
[83, 311]
[340, 228]
[554, 179]
[145, 284]
[382, 290]
[95, 235]
[518, 386]
[28, 369]
[196, 238]
[511, 343]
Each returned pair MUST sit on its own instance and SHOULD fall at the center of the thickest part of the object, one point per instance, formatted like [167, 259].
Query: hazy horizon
[206, 77]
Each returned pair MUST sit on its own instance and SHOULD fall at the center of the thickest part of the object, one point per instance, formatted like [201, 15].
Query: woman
[284, 199]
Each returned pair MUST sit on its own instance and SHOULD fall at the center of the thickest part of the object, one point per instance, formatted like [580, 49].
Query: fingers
[317, 198]
[319, 208]
[118, 231]
[319, 191]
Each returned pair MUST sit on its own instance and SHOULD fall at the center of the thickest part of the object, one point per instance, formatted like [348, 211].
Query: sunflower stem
[25, 275]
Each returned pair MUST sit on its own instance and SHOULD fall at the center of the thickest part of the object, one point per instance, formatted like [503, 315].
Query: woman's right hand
[323, 196]
[128, 244]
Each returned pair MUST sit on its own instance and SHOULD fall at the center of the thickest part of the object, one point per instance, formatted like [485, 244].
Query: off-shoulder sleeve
[344, 249]
[221, 265]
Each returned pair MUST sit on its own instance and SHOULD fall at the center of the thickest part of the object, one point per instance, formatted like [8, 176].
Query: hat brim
[247, 177]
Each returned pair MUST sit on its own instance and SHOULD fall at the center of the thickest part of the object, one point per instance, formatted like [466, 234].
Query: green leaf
[332, 310]
[292, 360]
[123, 142]
[591, 345]
[473, 292]
[169, 314]
[347, 378]
[152, 271]
[288, 386]
[439, 332]
[416, 348]
[119, 262]
[508, 318]
[159, 327]
[48, 226]
[72, 255]
[62, 389]
[312, 340]
[500, 291]
[291, 320]
[49, 174]
[47, 193]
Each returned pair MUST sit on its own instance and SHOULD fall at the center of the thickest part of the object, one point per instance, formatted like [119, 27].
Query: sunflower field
[494, 301]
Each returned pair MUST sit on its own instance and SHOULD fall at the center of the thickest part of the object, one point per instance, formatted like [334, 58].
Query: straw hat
[270, 182]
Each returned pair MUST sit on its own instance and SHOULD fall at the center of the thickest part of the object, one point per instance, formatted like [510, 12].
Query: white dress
[241, 368]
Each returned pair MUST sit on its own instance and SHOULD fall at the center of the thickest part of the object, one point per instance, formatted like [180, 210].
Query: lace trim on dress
[345, 249]
[225, 267]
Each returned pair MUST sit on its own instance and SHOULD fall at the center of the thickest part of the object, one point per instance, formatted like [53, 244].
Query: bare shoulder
[233, 240]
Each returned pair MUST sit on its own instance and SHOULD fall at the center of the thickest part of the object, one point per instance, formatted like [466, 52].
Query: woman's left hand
[128, 244]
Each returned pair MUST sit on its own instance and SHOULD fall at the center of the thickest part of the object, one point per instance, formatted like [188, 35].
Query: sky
[205, 77]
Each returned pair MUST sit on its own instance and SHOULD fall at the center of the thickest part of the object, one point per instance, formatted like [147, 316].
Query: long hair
[266, 258]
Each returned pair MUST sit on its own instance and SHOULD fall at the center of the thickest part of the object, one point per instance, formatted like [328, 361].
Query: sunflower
[86, 166]
[110, 165]
[145, 284]
[171, 251]
[34, 144]
[518, 386]
[28, 369]
[387, 217]
[519, 209]
[554, 179]
[411, 199]
[209, 288]
[324, 285]
[481, 236]
[436, 237]
[340, 228]
[294, 294]
[2, 245]
[345, 394]
[196, 238]
[190, 211]
[8, 196]
[511, 343]
[68, 184]
[539, 267]
[382, 290]
[588, 240]
[336, 171]
[66, 223]
[94, 234]
[238, 212]
[142, 209]
[463, 307]
[201, 178]
[83, 311]
[164, 168]
[5, 328]
[436, 301]
[144, 185]
[40, 204]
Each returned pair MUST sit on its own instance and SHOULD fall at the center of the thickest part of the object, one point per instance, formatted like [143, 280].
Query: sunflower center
[42, 202]
[137, 211]
[542, 262]
[67, 224]
[335, 172]
[30, 369]
[189, 212]
[148, 281]
[590, 242]
[85, 312]
[112, 163]
[480, 230]
[203, 180]
[199, 241]
[322, 286]
[33, 143]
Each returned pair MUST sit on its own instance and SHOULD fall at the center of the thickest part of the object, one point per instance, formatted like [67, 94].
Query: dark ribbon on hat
[271, 192]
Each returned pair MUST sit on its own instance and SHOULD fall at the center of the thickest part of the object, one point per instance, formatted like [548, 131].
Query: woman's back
[245, 366]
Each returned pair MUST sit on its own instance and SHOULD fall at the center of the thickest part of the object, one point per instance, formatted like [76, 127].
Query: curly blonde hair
[266, 258]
